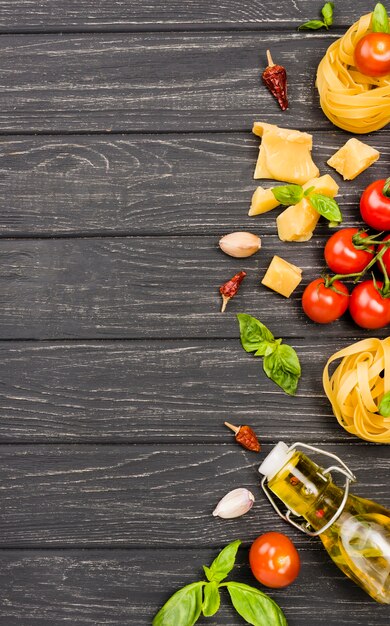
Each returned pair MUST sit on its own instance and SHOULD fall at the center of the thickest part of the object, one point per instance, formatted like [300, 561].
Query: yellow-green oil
[358, 541]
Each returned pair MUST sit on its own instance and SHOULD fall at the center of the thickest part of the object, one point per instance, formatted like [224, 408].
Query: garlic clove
[240, 244]
[234, 504]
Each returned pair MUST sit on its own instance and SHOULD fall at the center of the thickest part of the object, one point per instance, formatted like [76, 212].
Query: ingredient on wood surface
[229, 289]
[327, 19]
[354, 532]
[323, 302]
[369, 304]
[282, 276]
[280, 362]
[275, 78]
[357, 386]
[342, 256]
[284, 154]
[350, 99]
[234, 504]
[186, 605]
[386, 256]
[264, 200]
[274, 560]
[240, 244]
[372, 52]
[245, 436]
[353, 158]
[375, 205]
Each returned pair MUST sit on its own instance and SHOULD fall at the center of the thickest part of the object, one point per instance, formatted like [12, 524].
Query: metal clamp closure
[305, 526]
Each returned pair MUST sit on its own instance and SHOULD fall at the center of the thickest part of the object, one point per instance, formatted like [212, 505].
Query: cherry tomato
[324, 304]
[367, 306]
[386, 256]
[274, 560]
[375, 205]
[341, 255]
[372, 54]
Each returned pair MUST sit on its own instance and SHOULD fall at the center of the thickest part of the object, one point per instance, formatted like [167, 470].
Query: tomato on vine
[372, 54]
[324, 303]
[375, 204]
[386, 256]
[274, 560]
[342, 256]
[369, 308]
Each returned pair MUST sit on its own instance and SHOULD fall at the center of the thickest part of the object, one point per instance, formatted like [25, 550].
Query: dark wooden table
[126, 153]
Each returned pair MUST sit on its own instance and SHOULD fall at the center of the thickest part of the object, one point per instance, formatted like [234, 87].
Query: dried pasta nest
[351, 100]
[357, 386]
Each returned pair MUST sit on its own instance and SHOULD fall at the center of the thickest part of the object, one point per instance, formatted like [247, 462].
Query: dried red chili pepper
[229, 289]
[275, 77]
[245, 436]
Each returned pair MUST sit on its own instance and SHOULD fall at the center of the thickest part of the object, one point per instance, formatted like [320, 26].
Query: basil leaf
[384, 405]
[380, 20]
[327, 13]
[211, 599]
[312, 25]
[308, 191]
[283, 367]
[207, 572]
[255, 337]
[327, 207]
[183, 608]
[255, 606]
[288, 194]
[224, 563]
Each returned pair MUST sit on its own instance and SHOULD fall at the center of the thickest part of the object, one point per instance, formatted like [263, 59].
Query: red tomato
[386, 256]
[341, 255]
[375, 205]
[372, 54]
[323, 304]
[368, 308]
[274, 560]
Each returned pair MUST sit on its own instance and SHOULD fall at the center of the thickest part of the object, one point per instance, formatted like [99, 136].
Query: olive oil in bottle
[355, 532]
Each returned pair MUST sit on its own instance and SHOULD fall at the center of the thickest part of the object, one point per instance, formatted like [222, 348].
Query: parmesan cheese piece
[263, 200]
[282, 276]
[298, 221]
[284, 154]
[353, 158]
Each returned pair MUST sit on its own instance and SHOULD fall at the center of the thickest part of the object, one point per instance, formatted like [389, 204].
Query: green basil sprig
[327, 15]
[280, 363]
[380, 20]
[384, 405]
[325, 206]
[186, 605]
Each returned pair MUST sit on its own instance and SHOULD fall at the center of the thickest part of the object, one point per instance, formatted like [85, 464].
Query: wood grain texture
[87, 15]
[148, 495]
[148, 185]
[166, 391]
[149, 287]
[122, 587]
[155, 82]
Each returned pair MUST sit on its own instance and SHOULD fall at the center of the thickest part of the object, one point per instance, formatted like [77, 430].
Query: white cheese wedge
[263, 200]
[353, 158]
[284, 154]
[282, 276]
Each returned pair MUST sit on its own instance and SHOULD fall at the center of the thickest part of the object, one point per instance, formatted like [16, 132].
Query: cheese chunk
[263, 200]
[298, 221]
[284, 154]
[353, 158]
[282, 276]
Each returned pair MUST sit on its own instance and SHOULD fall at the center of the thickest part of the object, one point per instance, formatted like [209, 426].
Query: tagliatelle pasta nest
[351, 100]
[357, 386]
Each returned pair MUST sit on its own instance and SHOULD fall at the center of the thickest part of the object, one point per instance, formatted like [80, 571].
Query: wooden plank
[170, 391]
[149, 287]
[122, 587]
[146, 185]
[155, 81]
[87, 15]
[148, 495]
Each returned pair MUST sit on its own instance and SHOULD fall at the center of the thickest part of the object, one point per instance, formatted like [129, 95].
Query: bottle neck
[303, 487]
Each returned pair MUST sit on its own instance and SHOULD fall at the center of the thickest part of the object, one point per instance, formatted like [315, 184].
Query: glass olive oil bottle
[355, 532]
